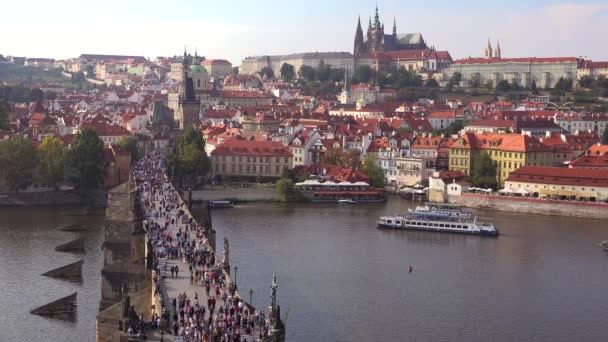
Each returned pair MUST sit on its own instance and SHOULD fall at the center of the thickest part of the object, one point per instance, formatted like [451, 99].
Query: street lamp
[250, 297]
[235, 270]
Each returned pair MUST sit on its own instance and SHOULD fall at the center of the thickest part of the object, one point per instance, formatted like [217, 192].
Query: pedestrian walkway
[189, 313]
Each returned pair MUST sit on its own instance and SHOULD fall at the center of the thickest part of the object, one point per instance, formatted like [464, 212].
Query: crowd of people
[217, 314]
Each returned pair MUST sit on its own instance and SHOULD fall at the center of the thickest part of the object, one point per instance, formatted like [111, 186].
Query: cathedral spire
[497, 52]
[377, 18]
[359, 38]
[395, 26]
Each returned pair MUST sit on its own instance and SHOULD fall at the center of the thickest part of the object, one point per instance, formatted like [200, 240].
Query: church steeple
[488, 54]
[377, 18]
[497, 52]
[359, 44]
[394, 27]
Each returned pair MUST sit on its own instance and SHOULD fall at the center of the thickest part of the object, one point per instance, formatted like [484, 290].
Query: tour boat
[604, 245]
[220, 204]
[438, 222]
[347, 201]
[451, 210]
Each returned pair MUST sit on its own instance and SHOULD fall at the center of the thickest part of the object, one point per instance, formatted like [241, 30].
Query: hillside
[11, 72]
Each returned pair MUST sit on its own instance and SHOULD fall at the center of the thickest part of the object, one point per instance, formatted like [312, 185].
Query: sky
[235, 29]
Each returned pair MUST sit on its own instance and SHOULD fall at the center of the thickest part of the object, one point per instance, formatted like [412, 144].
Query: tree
[586, 82]
[563, 84]
[2, 58]
[189, 160]
[267, 73]
[36, 95]
[51, 159]
[431, 83]
[49, 95]
[372, 169]
[17, 161]
[489, 84]
[514, 85]
[605, 137]
[483, 174]
[503, 86]
[534, 88]
[129, 143]
[288, 72]
[3, 115]
[454, 128]
[323, 71]
[475, 81]
[308, 73]
[364, 73]
[235, 70]
[336, 75]
[85, 161]
[90, 71]
[286, 190]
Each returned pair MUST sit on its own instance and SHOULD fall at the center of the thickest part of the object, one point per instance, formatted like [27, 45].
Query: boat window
[441, 225]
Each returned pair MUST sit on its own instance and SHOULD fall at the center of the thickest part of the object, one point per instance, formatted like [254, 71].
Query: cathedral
[377, 42]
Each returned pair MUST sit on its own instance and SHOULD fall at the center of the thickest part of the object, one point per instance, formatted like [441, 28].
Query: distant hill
[12, 72]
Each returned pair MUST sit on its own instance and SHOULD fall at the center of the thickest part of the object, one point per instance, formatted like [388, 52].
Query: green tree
[586, 82]
[129, 143]
[336, 75]
[372, 169]
[51, 160]
[534, 88]
[3, 115]
[475, 81]
[286, 189]
[431, 83]
[307, 72]
[514, 85]
[364, 73]
[36, 95]
[503, 86]
[323, 71]
[484, 173]
[85, 161]
[267, 73]
[49, 95]
[235, 70]
[189, 161]
[605, 137]
[489, 84]
[17, 161]
[288, 72]
[454, 128]
[563, 84]
[90, 71]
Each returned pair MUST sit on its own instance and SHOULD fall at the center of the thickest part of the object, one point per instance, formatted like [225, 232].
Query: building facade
[245, 158]
[337, 60]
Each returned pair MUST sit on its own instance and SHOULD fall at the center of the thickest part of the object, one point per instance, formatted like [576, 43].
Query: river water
[28, 237]
[342, 279]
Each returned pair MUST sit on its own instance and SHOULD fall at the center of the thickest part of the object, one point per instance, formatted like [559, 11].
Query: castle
[376, 41]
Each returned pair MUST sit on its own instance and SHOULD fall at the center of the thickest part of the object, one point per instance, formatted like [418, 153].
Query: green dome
[198, 69]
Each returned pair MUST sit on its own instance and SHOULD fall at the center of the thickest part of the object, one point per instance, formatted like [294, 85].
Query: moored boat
[220, 204]
[347, 201]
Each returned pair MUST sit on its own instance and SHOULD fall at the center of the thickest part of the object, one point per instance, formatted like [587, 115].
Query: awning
[587, 194]
[523, 191]
[548, 192]
[566, 193]
[408, 181]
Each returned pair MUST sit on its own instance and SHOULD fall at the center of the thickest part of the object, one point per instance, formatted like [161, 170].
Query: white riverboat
[452, 210]
[438, 223]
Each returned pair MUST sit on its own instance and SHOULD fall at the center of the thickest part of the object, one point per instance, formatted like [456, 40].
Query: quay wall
[47, 198]
[532, 205]
[237, 195]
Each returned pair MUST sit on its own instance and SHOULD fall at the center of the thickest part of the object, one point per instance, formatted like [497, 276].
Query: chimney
[548, 134]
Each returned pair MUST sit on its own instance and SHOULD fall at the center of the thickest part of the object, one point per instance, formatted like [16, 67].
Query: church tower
[498, 52]
[187, 113]
[359, 44]
[394, 29]
[488, 54]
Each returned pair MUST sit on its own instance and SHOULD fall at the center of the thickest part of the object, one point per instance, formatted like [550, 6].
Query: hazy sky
[234, 29]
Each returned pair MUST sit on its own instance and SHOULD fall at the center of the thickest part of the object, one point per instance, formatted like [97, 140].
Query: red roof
[492, 123]
[242, 94]
[560, 176]
[590, 162]
[517, 60]
[235, 147]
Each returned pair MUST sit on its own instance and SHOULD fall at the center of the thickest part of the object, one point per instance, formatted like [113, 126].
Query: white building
[522, 71]
[337, 60]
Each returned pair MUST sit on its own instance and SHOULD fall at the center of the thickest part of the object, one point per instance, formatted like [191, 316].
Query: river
[28, 237]
[342, 279]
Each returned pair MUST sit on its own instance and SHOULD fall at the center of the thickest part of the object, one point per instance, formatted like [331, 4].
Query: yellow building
[509, 151]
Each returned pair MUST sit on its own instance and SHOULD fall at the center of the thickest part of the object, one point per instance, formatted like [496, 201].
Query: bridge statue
[226, 260]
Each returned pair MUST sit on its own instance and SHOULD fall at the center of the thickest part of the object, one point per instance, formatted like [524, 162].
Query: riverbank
[49, 198]
[238, 195]
[532, 205]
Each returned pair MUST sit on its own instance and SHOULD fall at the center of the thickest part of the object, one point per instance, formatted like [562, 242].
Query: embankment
[532, 205]
[237, 195]
[49, 198]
